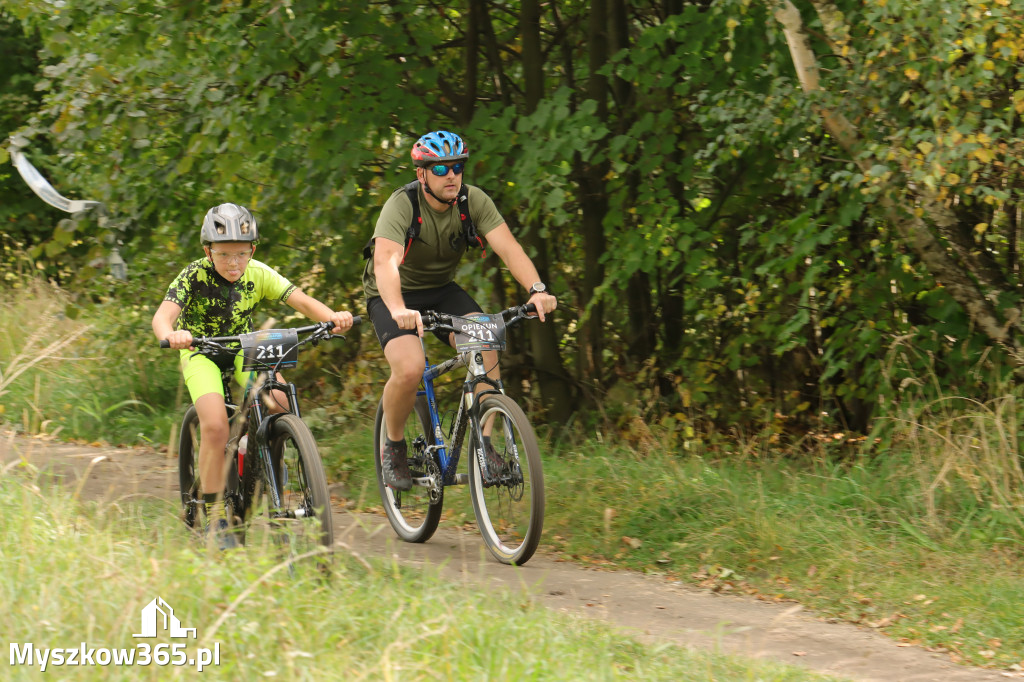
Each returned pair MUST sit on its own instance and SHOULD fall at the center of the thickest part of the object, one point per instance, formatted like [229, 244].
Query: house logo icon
[159, 613]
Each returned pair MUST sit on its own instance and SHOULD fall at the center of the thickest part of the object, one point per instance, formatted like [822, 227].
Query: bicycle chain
[432, 470]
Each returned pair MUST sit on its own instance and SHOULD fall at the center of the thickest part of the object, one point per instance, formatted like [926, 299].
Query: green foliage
[97, 378]
[26, 221]
[747, 266]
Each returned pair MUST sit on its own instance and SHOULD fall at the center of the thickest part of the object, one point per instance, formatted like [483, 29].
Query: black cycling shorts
[450, 299]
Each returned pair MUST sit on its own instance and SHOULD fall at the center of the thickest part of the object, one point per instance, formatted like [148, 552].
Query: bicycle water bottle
[243, 444]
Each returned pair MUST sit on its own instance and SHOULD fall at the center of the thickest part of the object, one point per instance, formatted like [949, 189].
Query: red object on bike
[242, 443]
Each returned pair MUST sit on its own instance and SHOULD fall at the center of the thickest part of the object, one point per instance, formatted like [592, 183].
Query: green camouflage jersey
[434, 256]
[213, 306]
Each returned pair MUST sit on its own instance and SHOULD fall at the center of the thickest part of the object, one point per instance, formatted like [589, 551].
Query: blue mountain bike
[505, 476]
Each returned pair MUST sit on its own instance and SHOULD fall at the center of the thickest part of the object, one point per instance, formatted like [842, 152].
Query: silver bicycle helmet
[228, 223]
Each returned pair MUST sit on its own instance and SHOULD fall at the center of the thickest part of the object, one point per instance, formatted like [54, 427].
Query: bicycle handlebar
[433, 320]
[314, 330]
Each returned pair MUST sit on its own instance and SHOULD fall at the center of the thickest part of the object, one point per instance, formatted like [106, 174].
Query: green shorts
[202, 375]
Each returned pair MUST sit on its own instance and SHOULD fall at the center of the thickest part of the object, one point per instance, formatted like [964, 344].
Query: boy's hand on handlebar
[544, 302]
[180, 339]
[342, 321]
[408, 319]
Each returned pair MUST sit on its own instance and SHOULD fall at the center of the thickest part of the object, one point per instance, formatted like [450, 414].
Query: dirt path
[650, 607]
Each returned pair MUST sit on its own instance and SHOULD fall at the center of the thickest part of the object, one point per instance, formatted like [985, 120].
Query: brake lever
[206, 345]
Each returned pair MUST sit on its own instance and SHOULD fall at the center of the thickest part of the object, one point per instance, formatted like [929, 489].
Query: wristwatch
[537, 288]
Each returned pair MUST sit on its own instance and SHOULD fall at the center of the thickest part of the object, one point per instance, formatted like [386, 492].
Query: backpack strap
[468, 228]
[412, 233]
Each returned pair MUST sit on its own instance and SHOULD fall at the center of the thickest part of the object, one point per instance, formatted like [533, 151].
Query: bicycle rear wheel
[414, 514]
[509, 514]
[304, 516]
[188, 470]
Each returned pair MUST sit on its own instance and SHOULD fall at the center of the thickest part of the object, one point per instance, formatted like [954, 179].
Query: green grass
[845, 541]
[101, 379]
[73, 573]
[857, 541]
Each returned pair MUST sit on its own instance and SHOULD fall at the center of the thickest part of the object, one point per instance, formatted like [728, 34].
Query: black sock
[215, 508]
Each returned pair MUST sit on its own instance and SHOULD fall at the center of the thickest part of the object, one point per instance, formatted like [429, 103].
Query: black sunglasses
[441, 170]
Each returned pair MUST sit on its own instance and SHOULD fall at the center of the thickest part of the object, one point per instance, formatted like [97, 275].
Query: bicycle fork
[262, 439]
[472, 403]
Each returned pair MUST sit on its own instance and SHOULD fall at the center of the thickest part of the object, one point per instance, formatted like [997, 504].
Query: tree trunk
[480, 8]
[477, 15]
[968, 281]
[555, 384]
[642, 332]
[594, 201]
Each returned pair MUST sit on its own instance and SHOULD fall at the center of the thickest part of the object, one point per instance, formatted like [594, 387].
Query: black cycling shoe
[394, 466]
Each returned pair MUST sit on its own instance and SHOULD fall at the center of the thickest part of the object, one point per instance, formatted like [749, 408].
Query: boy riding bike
[216, 296]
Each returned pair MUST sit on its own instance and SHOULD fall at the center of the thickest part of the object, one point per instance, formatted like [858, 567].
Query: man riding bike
[417, 244]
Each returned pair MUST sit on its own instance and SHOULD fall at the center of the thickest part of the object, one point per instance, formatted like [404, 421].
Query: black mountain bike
[508, 502]
[279, 482]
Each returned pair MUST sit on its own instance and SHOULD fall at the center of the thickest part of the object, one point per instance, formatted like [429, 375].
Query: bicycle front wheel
[304, 515]
[414, 514]
[510, 512]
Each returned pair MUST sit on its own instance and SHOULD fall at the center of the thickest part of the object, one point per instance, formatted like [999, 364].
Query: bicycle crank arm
[290, 514]
[425, 481]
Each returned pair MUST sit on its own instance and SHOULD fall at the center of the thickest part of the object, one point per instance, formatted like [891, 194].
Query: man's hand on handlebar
[544, 302]
[408, 319]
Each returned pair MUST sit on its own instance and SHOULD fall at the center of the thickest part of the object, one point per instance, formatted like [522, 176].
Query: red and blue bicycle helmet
[439, 146]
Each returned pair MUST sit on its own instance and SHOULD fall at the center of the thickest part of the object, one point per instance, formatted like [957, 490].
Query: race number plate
[263, 349]
[479, 332]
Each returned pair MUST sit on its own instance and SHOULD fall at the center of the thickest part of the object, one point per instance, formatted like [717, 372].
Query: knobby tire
[301, 483]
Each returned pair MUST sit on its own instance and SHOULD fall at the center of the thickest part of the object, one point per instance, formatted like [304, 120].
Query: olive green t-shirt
[434, 256]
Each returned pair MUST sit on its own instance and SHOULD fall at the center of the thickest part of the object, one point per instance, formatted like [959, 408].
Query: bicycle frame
[476, 374]
[468, 412]
[263, 384]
